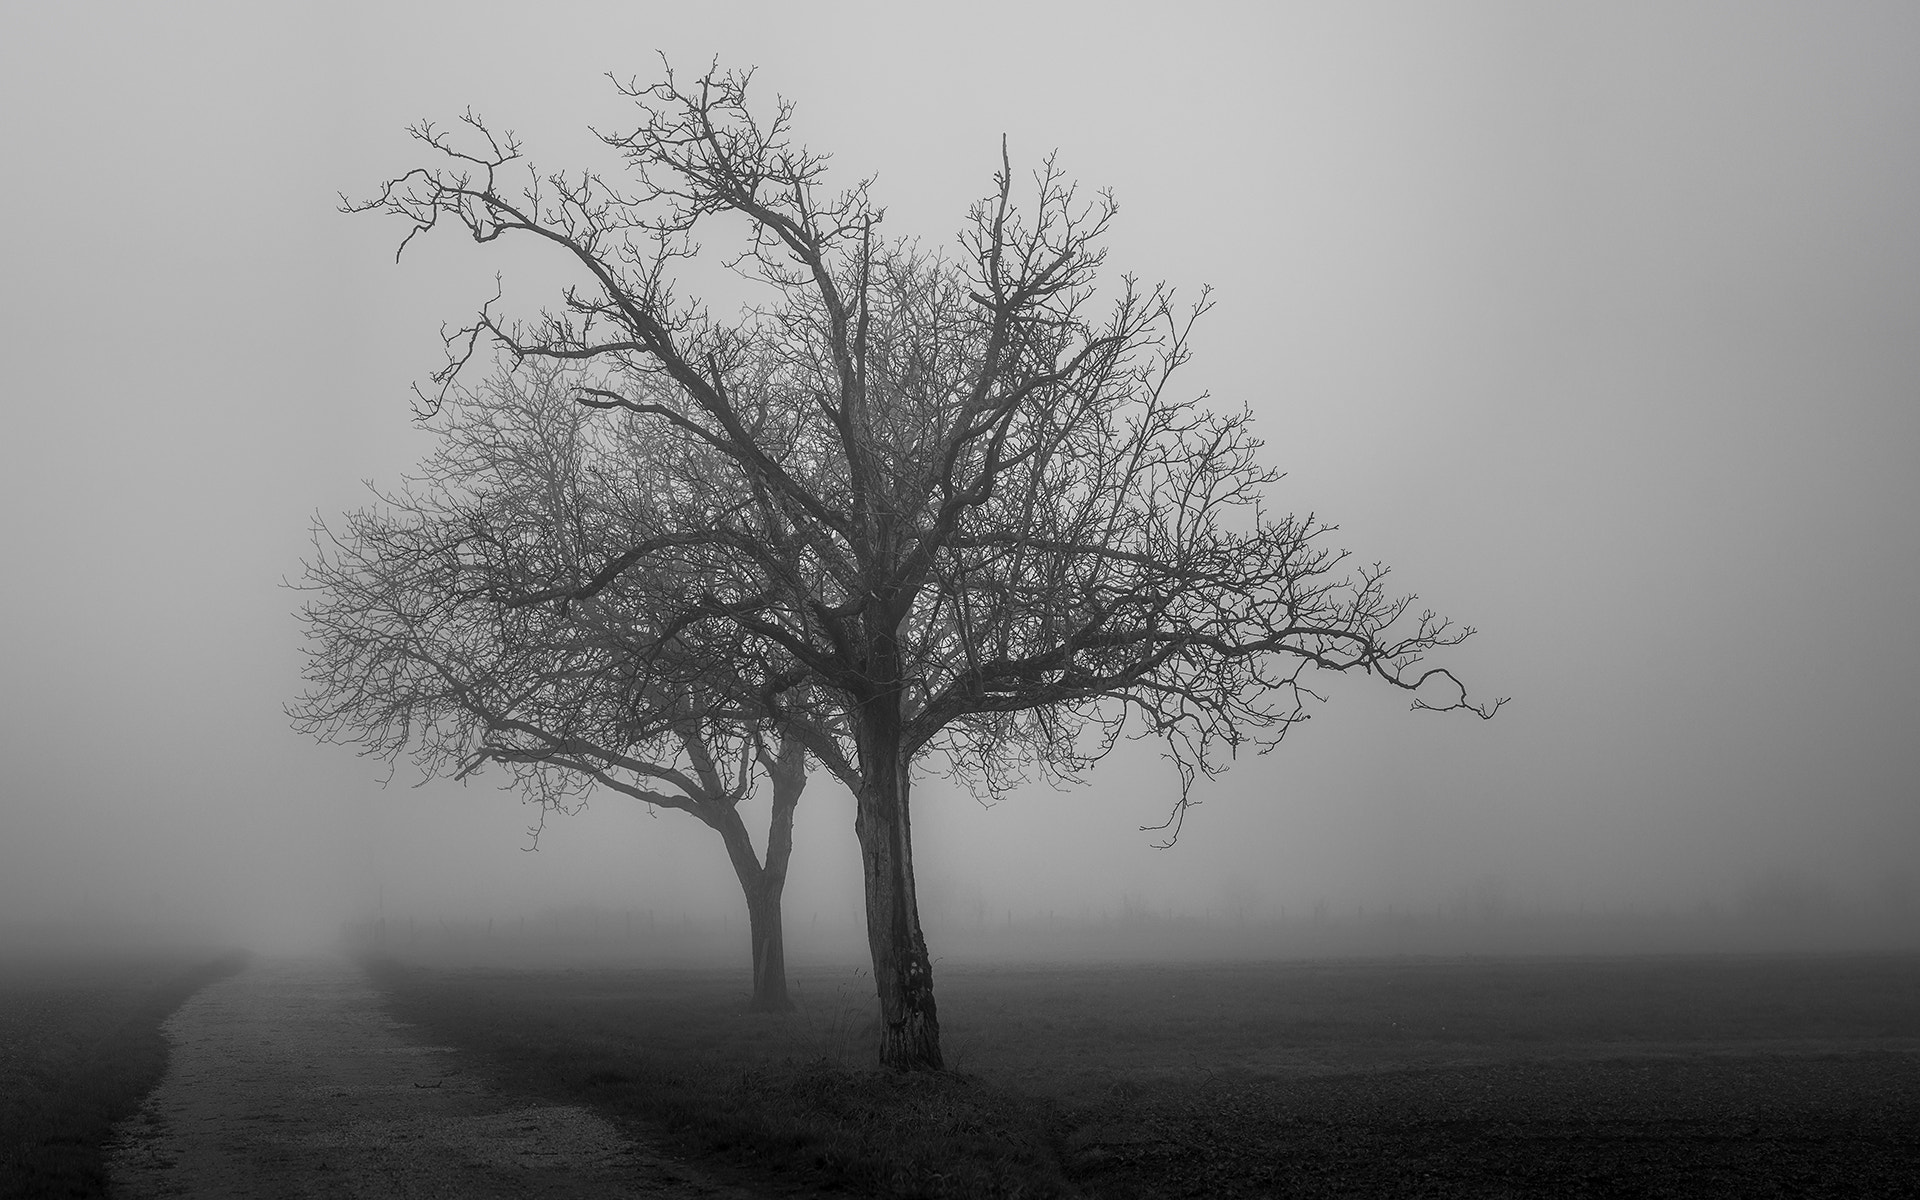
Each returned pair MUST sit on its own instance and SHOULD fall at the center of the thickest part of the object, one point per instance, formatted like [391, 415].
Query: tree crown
[951, 503]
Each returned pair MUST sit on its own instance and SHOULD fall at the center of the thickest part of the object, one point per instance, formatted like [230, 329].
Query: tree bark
[763, 885]
[902, 972]
[769, 951]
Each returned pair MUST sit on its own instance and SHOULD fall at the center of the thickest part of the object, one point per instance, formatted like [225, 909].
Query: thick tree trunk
[909, 1024]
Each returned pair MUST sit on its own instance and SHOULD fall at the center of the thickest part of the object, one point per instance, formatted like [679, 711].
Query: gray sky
[1601, 324]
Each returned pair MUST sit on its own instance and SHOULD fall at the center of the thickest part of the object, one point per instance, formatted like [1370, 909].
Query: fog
[1601, 325]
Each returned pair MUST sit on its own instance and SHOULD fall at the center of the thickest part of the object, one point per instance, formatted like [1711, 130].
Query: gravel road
[289, 1080]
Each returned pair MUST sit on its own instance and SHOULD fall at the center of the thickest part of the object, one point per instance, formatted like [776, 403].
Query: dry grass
[1696, 1076]
[80, 1044]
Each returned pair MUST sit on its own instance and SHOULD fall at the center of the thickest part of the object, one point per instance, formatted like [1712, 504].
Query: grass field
[80, 1044]
[1648, 1076]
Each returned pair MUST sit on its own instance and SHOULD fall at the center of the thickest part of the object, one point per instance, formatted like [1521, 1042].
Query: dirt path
[289, 1080]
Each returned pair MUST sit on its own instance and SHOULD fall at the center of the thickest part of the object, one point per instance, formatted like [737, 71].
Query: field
[80, 1044]
[1676, 1076]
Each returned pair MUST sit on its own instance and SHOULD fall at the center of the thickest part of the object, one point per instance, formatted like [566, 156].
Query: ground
[1707, 1076]
[1653, 1076]
[80, 1044]
[289, 1080]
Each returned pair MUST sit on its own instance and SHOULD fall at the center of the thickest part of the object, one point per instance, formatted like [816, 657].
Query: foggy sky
[1601, 325]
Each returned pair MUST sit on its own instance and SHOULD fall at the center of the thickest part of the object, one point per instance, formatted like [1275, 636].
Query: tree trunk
[769, 951]
[763, 885]
[902, 973]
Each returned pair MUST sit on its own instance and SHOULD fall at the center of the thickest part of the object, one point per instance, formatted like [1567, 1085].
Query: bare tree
[412, 650]
[952, 501]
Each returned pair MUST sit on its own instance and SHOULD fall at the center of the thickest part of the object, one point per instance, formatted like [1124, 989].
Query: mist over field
[1602, 327]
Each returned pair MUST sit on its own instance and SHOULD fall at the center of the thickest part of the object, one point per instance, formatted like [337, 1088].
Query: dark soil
[1709, 1125]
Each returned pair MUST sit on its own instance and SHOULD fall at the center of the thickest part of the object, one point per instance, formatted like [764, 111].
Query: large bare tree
[953, 500]
[412, 650]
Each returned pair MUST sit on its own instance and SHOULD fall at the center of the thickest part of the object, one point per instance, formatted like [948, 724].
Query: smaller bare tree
[412, 651]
